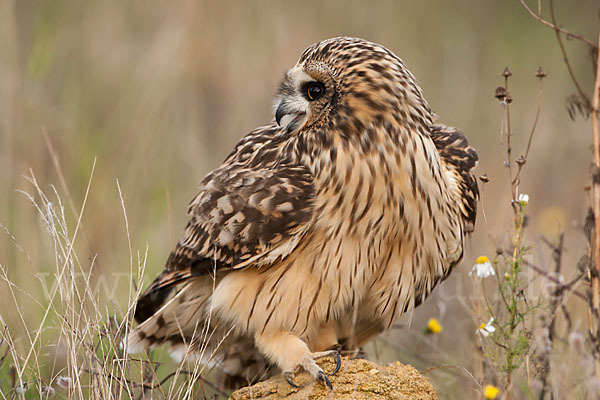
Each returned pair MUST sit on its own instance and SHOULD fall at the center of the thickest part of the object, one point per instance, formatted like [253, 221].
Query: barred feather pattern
[323, 227]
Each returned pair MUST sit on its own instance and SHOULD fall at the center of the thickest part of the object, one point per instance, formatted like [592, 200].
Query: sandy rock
[356, 379]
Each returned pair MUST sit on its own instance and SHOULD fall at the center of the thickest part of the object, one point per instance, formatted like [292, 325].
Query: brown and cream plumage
[322, 227]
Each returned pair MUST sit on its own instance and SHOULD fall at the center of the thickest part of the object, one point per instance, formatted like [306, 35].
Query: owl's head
[349, 82]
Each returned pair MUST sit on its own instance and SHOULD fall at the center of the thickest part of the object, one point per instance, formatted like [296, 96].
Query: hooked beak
[279, 113]
[289, 118]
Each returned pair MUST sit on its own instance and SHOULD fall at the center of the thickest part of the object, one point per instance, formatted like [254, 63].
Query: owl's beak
[279, 113]
[290, 116]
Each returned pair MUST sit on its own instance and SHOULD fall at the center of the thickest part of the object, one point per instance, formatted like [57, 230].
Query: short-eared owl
[321, 227]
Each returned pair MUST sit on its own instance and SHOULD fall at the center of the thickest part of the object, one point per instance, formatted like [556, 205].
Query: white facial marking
[296, 105]
[299, 76]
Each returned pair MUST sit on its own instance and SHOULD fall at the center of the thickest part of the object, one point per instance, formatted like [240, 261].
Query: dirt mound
[356, 379]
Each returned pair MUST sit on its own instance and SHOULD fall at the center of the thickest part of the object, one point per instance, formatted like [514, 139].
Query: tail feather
[183, 322]
[180, 320]
[180, 268]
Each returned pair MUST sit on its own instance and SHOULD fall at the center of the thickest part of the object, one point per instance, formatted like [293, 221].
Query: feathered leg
[289, 352]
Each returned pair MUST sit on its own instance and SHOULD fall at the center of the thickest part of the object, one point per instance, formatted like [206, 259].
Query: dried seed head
[540, 73]
[520, 160]
[500, 93]
[506, 73]
[484, 178]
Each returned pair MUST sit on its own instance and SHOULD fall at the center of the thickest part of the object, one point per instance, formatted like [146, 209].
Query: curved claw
[323, 378]
[338, 363]
[288, 377]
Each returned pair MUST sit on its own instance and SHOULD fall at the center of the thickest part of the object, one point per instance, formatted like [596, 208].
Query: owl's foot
[290, 352]
[321, 376]
[311, 367]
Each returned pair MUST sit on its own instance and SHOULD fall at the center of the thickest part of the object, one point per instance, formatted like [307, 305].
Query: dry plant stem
[565, 57]
[68, 254]
[553, 26]
[510, 303]
[555, 302]
[63, 184]
[508, 147]
[459, 368]
[595, 269]
[515, 180]
[512, 300]
[570, 286]
[514, 285]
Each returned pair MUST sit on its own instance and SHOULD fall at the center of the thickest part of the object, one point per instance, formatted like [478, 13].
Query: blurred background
[158, 93]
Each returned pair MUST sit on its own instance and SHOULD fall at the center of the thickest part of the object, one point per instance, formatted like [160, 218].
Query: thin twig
[555, 302]
[523, 159]
[462, 369]
[583, 95]
[553, 26]
[507, 127]
[560, 285]
[69, 252]
[63, 183]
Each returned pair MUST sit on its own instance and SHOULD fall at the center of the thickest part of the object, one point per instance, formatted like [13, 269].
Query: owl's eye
[314, 90]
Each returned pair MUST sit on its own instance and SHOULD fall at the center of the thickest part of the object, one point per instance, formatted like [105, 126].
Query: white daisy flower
[523, 199]
[486, 329]
[482, 268]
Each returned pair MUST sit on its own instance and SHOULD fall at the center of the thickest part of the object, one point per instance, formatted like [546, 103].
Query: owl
[320, 228]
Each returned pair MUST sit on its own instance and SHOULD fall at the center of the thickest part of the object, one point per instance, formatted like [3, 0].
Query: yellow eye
[314, 90]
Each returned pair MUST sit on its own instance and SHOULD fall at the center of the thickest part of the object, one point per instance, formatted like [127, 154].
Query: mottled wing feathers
[459, 159]
[244, 215]
[250, 211]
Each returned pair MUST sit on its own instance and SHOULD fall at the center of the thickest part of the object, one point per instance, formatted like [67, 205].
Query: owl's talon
[288, 377]
[338, 363]
[335, 353]
[323, 378]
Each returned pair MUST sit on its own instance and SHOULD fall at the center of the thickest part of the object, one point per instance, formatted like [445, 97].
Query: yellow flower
[434, 326]
[482, 260]
[490, 391]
